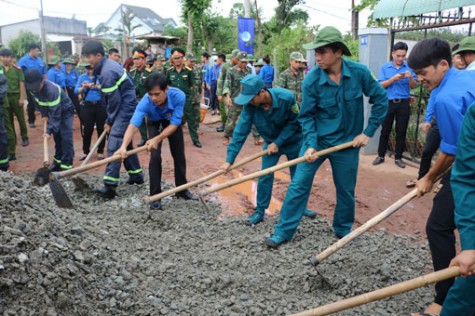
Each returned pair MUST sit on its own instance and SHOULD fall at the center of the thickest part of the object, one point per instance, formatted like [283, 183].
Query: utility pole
[124, 53]
[354, 21]
[43, 34]
[247, 9]
[259, 30]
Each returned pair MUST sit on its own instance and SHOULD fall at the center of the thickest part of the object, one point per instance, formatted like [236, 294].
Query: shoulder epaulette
[188, 68]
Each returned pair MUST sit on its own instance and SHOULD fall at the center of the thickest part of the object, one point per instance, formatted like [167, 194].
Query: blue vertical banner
[246, 35]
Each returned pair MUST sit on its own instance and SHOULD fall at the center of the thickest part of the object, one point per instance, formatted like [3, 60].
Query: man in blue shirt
[331, 113]
[398, 80]
[452, 93]
[70, 79]
[274, 114]
[55, 74]
[163, 105]
[32, 61]
[211, 81]
[120, 97]
[267, 72]
[460, 299]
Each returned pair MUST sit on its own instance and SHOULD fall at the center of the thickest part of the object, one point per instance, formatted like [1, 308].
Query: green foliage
[286, 16]
[19, 45]
[237, 11]
[451, 36]
[180, 32]
[287, 41]
[353, 46]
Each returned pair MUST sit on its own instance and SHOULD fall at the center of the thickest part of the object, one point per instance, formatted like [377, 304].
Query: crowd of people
[304, 113]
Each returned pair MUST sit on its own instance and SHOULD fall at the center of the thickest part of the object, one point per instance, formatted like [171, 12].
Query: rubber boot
[255, 218]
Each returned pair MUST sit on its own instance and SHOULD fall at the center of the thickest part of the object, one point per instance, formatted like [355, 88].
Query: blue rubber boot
[310, 214]
[255, 218]
[275, 241]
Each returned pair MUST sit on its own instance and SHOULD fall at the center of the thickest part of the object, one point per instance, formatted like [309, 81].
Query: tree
[192, 14]
[128, 25]
[286, 16]
[19, 45]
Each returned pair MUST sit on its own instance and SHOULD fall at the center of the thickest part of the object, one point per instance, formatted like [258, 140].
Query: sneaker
[187, 195]
[275, 241]
[255, 218]
[25, 142]
[310, 214]
[197, 143]
[378, 160]
[400, 163]
[220, 129]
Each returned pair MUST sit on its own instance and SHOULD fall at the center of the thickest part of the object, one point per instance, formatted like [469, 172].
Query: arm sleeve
[463, 187]
[55, 114]
[227, 83]
[291, 127]
[307, 115]
[51, 76]
[379, 100]
[382, 75]
[282, 82]
[179, 105]
[111, 91]
[207, 77]
[241, 131]
[429, 111]
[78, 85]
[140, 111]
[221, 78]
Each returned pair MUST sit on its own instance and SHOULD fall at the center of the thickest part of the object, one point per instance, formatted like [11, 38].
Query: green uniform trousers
[11, 139]
[223, 112]
[191, 115]
[19, 112]
[233, 116]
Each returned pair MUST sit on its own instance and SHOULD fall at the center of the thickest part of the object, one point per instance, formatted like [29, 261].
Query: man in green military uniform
[16, 95]
[219, 91]
[230, 92]
[139, 72]
[196, 100]
[11, 141]
[158, 65]
[183, 78]
[292, 77]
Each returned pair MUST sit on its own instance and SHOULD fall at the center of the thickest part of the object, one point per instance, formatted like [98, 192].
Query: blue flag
[246, 35]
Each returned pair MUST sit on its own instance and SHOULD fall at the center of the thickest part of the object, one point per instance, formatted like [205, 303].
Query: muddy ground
[118, 258]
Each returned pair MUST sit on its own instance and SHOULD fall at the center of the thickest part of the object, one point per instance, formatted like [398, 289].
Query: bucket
[202, 114]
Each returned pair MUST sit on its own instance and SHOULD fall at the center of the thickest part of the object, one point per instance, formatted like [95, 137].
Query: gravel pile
[117, 258]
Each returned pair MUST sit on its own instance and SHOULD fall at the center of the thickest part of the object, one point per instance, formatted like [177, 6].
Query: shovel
[42, 174]
[389, 291]
[60, 195]
[156, 197]
[78, 182]
[278, 167]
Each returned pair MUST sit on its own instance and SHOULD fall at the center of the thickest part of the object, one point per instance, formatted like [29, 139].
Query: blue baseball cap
[250, 87]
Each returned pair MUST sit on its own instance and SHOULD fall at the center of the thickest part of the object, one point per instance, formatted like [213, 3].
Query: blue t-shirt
[398, 89]
[451, 99]
[26, 62]
[94, 94]
[173, 110]
[267, 73]
[56, 76]
[70, 78]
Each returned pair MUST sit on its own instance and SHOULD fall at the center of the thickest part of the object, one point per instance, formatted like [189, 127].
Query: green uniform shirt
[197, 85]
[139, 76]
[222, 78]
[183, 80]
[233, 80]
[291, 80]
[157, 68]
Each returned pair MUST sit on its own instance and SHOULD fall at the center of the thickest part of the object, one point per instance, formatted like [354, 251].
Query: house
[61, 31]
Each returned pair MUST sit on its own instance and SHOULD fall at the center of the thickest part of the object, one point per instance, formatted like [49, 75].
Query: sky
[336, 13]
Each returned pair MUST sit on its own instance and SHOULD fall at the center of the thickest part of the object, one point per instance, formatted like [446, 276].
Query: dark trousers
[31, 108]
[430, 147]
[74, 98]
[3, 139]
[177, 149]
[440, 233]
[63, 141]
[213, 99]
[93, 113]
[401, 112]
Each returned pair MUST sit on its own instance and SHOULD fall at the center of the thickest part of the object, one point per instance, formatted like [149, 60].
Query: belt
[92, 102]
[158, 123]
[397, 100]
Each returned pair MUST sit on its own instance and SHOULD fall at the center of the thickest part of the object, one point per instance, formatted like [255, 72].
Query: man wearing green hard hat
[273, 112]
[331, 113]
[466, 51]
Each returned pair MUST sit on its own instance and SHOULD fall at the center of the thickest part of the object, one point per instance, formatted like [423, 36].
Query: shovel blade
[42, 176]
[59, 194]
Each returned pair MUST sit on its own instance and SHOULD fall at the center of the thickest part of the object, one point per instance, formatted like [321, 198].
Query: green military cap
[466, 44]
[177, 52]
[54, 60]
[242, 56]
[260, 62]
[84, 64]
[75, 55]
[328, 35]
[250, 87]
[235, 52]
[69, 60]
[161, 57]
[250, 57]
[190, 57]
[229, 56]
[297, 56]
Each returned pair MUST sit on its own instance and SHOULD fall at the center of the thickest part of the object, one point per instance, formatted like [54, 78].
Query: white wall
[9, 32]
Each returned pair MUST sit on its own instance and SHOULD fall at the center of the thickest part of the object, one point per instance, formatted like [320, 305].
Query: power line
[326, 12]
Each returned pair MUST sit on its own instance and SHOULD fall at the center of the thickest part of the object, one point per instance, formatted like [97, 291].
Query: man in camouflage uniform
[231, 90]
[158, 65]
[232, 61]
[139, 72]
[183, 78]
[196, 100]
[292, 77]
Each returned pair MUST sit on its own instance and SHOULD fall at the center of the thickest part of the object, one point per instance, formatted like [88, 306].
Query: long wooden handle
[45, 145]
[384, 292]
[156, 197]
[94, 148]
[96, 164]
[369, 224]
[278, 167]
